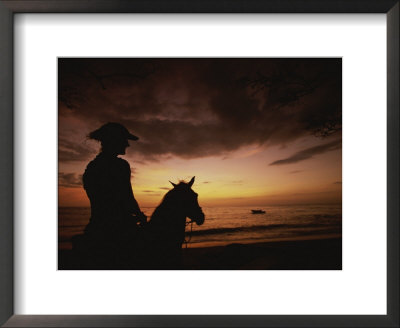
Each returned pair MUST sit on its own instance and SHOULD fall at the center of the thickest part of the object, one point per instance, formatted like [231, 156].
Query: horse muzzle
[199, 219]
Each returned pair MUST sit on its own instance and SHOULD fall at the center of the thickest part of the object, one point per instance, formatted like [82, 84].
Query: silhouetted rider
[107, 181]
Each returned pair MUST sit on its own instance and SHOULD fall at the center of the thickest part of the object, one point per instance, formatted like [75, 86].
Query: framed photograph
[201, 164]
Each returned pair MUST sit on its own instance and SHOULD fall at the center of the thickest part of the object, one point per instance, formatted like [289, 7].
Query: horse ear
[173, 184]
[191, 182]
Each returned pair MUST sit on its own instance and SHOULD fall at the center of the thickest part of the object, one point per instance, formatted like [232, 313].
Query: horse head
[188, 200]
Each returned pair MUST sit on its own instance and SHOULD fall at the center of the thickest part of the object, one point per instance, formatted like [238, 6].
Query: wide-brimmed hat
[111, 130]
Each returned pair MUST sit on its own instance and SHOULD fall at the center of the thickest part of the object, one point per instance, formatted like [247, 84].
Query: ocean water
[226, 225]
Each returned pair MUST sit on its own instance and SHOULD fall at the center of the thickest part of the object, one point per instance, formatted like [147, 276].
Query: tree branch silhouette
[77, 74]
[288, 86]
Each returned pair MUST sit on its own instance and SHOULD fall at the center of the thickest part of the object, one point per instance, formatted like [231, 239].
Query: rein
[186, 241]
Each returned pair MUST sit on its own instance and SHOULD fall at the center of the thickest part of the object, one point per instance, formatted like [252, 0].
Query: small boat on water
[257, 211]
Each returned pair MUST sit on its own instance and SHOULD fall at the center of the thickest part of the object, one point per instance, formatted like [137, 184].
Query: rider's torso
[106, 180]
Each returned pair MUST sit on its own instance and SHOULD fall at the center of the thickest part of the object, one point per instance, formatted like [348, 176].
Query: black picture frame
[10, 7]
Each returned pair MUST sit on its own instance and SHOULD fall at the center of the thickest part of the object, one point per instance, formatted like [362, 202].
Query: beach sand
[316, 254]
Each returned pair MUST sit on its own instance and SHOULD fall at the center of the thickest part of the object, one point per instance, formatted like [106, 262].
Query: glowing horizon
[241, 178]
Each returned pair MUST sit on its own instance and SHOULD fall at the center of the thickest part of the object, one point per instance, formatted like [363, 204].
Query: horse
[155, 245]
[165, 232]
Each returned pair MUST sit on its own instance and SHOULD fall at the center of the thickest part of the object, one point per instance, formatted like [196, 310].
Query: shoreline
[208, 244]
[67, 245]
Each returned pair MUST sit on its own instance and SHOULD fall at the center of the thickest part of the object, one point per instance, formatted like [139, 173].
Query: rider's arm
[130, 202]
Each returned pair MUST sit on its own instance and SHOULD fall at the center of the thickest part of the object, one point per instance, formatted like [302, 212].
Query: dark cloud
[69, 150]
[309, 153]
[164, 188]
[207, 182]
[296, 171]
[70, 180]
[199, 107]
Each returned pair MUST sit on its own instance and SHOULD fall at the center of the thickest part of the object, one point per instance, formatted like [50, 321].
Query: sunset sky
[253, 131]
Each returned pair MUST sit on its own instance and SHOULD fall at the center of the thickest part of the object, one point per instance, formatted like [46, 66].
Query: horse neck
[168, 210]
